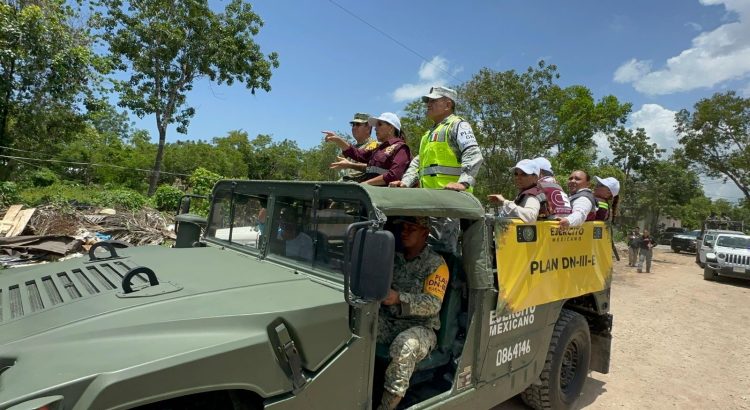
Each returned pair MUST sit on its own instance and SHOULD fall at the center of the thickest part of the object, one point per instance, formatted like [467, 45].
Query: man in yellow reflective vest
[449, 156]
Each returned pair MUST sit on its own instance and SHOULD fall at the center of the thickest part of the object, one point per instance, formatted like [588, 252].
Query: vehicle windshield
[313, 235]
[739, 242]
[239, 222]
[692, 234]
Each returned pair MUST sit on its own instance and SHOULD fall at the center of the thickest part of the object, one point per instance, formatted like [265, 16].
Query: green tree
[524, 115]
[167, 45]
[716, 137]
[632, 150]
[271, 160]
[45, 74]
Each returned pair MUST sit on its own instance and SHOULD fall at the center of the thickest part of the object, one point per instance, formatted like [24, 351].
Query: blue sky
[660, 55]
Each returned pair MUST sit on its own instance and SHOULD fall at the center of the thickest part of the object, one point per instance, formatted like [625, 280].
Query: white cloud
[656, 120]
[433, 72]
[659, 124]
[715, 56]
[693, 25]
[718, 189]
[631, 71]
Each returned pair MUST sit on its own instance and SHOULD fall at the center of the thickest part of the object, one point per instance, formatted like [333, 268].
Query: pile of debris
[52, 232]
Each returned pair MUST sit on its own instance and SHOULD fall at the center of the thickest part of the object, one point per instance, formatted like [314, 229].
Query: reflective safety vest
[586, 193]
[555, 201]
[438, 165]
[602, 212]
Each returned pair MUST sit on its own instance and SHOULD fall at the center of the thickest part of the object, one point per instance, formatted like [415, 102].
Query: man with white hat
[528, 202]
[449, 156]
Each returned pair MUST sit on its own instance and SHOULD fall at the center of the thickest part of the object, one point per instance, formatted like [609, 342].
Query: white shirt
[581, 209]
[528, 211]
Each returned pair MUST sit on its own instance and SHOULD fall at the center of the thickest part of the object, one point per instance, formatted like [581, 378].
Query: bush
[44, 177]
[167, 197]
[8, 193]
[59, 194]
[121, 198]
[202, 182]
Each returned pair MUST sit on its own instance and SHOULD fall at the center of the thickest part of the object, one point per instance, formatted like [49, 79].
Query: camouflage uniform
[409, 327]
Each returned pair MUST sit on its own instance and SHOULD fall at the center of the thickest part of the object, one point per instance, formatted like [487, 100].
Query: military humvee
[282, 313]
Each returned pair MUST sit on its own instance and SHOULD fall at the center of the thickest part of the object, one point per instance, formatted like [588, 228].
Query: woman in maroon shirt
[388, 161]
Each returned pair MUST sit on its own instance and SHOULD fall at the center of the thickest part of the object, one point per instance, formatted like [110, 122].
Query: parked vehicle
[730, 256]
[706, 243]
[233, 319]
[685, 242]
[665, 236]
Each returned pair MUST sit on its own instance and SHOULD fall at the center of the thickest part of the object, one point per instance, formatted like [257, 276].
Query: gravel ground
[679, 341]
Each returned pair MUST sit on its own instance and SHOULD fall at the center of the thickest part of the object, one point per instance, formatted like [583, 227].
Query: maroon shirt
[392, 155]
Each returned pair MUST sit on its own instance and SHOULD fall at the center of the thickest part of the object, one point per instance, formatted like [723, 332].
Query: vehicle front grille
[58, 288]
[738, 259]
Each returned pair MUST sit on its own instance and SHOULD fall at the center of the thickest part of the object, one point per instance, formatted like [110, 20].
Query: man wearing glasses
[361, 131]
[449, 156]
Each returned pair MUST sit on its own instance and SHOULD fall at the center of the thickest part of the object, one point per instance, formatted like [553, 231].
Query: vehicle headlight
[710, 256]
[722, 256]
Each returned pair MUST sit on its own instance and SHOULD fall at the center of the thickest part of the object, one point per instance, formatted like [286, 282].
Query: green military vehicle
[285, 316]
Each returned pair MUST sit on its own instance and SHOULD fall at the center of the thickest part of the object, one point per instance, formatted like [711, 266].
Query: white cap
[528, 166]
[388, 117]
[611, 183]
[439, 92]
[544, 164]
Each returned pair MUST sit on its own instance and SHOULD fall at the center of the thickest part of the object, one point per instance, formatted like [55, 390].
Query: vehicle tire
[567, 365]
[708, 273]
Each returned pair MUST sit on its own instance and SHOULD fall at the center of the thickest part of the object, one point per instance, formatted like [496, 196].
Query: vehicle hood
[733, 251]
[64, 324]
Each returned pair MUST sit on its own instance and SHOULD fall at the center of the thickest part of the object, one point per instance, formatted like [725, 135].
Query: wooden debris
[15, 220]
[8, 222]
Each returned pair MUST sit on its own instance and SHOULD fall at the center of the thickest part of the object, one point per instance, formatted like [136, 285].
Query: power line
[404, 46]
[90, 164]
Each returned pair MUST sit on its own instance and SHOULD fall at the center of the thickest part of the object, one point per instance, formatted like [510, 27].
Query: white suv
[706, 243]
[730, 256]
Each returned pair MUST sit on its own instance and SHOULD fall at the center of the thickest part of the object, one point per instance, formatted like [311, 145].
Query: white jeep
[730, 256]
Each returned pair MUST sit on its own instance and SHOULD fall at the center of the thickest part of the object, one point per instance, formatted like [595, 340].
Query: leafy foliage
[8, 193]
[167, 197]
[45, 75]
[167, 45]
[44, 177]
[716, 137]
[121, 198]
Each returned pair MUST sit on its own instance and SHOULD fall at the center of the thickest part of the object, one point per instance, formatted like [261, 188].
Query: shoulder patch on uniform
[463, 125]
[437, 282]
[371, 146]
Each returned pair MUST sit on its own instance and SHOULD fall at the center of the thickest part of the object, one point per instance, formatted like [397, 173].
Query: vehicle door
[706, 245]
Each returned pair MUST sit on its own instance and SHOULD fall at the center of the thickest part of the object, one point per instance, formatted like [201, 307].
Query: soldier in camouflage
[409, 316]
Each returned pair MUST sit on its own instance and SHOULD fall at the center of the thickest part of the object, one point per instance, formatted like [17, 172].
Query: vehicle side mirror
[371, 264]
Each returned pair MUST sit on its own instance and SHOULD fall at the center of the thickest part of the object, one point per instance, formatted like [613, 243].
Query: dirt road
[679, 341]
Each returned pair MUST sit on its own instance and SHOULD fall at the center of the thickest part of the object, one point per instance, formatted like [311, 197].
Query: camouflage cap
[360, 118]
[422, 221]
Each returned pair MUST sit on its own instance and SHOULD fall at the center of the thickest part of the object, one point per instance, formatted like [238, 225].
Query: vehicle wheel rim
[569, 365]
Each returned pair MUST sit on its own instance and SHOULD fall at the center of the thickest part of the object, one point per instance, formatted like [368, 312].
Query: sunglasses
[381, 123]
[520, 174]
[358, 124]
